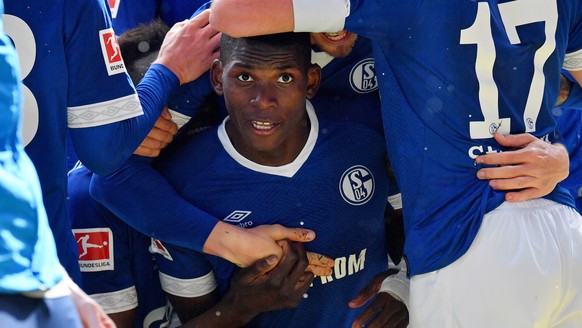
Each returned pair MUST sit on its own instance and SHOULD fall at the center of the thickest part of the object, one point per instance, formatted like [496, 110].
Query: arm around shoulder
[239, 18]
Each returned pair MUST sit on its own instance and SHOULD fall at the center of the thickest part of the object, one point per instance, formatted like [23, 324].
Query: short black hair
[300, 43]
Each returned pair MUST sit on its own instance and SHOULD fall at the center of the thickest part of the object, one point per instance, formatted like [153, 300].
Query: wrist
[234, 308]
[218, 242]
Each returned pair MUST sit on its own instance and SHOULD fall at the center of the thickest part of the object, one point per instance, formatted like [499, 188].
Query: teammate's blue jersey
[336, 186]
[71, 71]
[569, 133]
[447, 85]
[348, 81]
[28, 259]
[128, 14]
[117, 269]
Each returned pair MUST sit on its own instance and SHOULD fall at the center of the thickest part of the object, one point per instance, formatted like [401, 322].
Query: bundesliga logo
[114, 6]
[95, 249]
[111, 52]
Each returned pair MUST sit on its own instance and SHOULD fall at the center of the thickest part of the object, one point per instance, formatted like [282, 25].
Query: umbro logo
[237, 217]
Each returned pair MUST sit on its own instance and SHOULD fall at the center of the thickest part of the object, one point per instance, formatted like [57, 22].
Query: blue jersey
[161, 196]
[128, 14]
[28, 259]
[336, 186]
[117, 269]
[58, 42]
[447, 86]
[569, 133]
[174, 11]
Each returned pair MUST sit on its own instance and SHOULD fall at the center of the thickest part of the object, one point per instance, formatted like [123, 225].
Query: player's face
[265, 90]
[338, 44]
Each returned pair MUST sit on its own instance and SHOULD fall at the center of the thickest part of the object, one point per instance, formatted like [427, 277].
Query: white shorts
[523, 270]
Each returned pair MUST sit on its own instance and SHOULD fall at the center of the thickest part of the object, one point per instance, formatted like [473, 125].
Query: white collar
[287, 170]
[320, 58]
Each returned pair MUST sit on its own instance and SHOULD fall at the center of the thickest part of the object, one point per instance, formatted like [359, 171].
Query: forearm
[104, 148]
[224, 314]
[240, 18]
[140, 196]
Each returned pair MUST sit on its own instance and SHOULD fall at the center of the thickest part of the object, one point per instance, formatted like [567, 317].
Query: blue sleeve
[117, 141]
[200, 9]
[140, 196]
[188, 99]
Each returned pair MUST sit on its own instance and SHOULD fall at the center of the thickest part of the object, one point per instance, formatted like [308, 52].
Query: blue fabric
[349, 222]
[426, 53]
[28, 258]
[23, 312]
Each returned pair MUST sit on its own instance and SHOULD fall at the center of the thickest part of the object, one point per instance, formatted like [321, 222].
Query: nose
[265, 96]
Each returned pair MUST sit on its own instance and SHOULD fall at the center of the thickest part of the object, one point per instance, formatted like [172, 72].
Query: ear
[313, 80]
[216, 76]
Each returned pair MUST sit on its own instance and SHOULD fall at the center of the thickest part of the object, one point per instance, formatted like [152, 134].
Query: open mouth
[263, 125]
[336, 36]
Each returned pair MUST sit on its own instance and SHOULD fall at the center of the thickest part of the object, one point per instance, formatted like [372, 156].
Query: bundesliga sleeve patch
[114, 6]
[156, 246]
[95, 249]
[111, 52]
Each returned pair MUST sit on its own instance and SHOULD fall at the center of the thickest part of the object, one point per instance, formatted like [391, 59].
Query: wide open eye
[244, 78]
[285, 78]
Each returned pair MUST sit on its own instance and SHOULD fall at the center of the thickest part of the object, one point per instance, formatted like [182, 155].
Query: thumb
[514, 140]
[279, 232]
[258, 268]
[295, 234]
[166, 114]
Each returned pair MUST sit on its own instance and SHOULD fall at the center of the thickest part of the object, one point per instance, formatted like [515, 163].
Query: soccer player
[347, 80]
[73, 75]
[453, 76]
[277, 160]
[118, 271]
[34, 289]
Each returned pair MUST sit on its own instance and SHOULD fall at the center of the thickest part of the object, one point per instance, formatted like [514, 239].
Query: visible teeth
[336, 35]
[262, 125]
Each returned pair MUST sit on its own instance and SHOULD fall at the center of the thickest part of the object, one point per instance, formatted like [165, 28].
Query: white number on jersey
[513, 14]
[25, 45]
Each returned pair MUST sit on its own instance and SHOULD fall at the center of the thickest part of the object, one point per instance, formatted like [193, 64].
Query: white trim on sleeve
[573, 61]
[118, 301]
[104, 112]
[395, 201]
[188, 287]
[320, 15]
[397, 285]
[179, 118]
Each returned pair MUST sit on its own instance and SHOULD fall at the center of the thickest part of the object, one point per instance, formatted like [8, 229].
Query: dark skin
[264, 286]
[124, 319]
[265, 90]
[384, 311]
